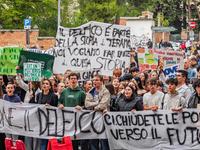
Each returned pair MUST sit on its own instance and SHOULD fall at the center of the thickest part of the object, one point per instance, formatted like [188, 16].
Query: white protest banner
[124, 130]
[32, 71]
[170, 57]
[144, 130]
[42, 121]
[170, 72]
[91, 46]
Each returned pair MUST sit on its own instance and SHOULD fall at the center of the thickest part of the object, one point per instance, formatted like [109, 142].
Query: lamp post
[58, 13]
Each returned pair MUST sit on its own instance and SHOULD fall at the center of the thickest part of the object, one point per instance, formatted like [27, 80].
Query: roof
[163, 29]
[137, 18]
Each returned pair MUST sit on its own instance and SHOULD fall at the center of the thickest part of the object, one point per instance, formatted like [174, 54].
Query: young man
[192, 70]
[173, 100]
[73, 96]
[182, 88]
[10, 96]
[194, 101]
[98, 99]
[152, 100]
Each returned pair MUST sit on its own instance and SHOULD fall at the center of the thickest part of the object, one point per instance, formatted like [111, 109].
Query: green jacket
[72, 97]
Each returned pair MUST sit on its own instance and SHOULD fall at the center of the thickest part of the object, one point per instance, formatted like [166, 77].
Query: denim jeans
[44, 143]
[96, 144]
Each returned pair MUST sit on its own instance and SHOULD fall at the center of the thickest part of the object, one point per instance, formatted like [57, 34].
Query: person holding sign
[129, 101]
[73, 96]
[46, 97]
[13, 98]
[98, 99]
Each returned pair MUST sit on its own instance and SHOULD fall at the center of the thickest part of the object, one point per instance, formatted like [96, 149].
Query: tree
[97, 10]
[42, 12]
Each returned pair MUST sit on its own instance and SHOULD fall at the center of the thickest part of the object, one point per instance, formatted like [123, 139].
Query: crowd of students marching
[130, 91]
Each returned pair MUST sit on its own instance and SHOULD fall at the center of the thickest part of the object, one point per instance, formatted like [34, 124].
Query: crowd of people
[130, 91]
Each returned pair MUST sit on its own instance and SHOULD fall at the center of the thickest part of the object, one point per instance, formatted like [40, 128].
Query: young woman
[129, 101]
[48, 97]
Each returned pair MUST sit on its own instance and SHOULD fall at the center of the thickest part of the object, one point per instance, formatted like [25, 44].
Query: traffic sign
[192, 24]
[27, 23]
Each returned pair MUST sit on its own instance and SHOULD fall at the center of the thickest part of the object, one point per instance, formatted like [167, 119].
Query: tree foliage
[44, 12]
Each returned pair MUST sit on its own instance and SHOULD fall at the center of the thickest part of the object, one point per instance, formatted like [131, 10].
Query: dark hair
[198, 68]
[99, 76]
[45, 79]
[126, 76]
[183, 73]
[160, 83]
[85, 82]
[73, 74]
[133, 91]
[196, 84]
[152, 81]
[11, 84]
[139, 82]
[110, 88]
[145, 79]
[172, 81]
[134, 69]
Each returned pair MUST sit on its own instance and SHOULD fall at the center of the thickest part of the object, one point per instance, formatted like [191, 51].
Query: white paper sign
[94, 45]
[170, 72]
[32, 71]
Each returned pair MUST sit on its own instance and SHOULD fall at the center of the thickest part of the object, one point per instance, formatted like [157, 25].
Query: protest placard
[91, 46]
[45, 60]
[170, 57]
[170, 72]
[147, 59]
[9, 57]
[32, 71]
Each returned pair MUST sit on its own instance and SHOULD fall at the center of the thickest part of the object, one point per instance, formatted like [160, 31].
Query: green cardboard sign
[9, 57]
[45, 60]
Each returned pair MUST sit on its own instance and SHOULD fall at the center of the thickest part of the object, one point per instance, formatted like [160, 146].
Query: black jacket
[193, 101]
[124, 104]
[51, 99]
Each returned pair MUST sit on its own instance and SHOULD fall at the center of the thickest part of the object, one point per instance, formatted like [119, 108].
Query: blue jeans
[96, 144]
[104, 144]
[44, 143]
